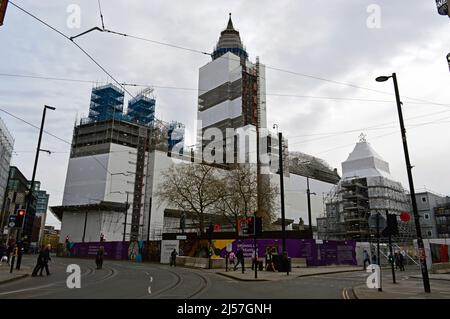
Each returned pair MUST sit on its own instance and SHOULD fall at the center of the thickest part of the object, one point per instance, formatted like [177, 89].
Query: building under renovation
[117, 163]
[366, 187]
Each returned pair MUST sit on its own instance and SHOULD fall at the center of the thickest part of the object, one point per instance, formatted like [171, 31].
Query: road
[124, 280]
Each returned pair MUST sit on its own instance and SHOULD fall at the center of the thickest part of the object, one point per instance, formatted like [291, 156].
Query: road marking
[27, 289]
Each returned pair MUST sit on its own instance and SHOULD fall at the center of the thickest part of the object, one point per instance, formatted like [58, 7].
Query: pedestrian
[401, 262]
[10, 250]
[240, 259]
[173, 258]
[46, 259]
[374, 259]
[396, 259]
[254, 259]
[20, 250]
[232, 258]
[366, 258]
[99, 257]
[39, 262]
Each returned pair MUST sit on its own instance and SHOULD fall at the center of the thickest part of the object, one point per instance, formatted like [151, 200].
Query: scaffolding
[141, 109]
[352, 201]
[106, 103]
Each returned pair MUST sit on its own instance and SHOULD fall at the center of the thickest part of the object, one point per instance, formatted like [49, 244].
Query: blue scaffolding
[106, 103]
[141, 110]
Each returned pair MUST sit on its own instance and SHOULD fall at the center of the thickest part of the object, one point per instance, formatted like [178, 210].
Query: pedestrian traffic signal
[20, 217]
[392, 226]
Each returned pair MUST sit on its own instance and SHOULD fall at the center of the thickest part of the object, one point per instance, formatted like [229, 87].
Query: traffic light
[20, 217]
[392, 226]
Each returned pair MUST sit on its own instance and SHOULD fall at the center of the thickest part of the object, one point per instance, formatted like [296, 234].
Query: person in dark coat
[173, 258]
[240, 259]
[99, 257]
[45, 259]
[400, 262]
[374, 259]
[39, 263]
[20, 251]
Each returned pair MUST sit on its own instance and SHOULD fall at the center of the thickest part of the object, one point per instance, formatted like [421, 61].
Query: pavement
[249, 274]
[408, 286]
[6, 276]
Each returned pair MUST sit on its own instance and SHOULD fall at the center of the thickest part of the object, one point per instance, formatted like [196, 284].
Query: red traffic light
[405, 217]
[21, 212]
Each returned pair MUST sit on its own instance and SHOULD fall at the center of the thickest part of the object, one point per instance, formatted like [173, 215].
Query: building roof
[309, 166]
[229, 41]
[363, 161]
[103, 206]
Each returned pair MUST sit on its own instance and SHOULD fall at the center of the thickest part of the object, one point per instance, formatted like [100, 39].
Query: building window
[430, 233]
[424, 199]
[427, 216]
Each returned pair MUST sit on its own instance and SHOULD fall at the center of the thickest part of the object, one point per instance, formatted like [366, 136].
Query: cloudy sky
[329, 40]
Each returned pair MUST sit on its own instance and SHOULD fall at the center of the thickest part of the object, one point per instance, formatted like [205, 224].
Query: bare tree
[239, 196]
[191, 187]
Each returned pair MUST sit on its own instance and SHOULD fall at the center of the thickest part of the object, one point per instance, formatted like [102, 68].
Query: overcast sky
[325, 39]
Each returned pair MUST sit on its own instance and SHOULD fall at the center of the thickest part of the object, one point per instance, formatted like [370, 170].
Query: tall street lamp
[36, 159]
[423, 263]
[280, 170]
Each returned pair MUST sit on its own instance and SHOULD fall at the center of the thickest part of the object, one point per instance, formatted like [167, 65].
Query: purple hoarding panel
[113, 250]
[316, 254]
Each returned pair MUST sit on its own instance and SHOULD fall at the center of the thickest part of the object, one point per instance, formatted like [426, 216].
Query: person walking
[366, 258]
[39, 262]
[232, 258]
[401, 262]
[99, 257]
[20, 251]
[240, 259]
[46, 259]
[173, 258]
[396, 260]
[374, 259]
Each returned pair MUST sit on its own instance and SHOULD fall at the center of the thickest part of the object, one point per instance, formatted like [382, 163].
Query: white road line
[27, 289]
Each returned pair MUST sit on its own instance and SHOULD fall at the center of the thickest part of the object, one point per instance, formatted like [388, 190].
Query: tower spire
[230, 23]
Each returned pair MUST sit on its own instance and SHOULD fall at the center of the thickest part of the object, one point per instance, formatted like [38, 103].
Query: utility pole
[283, 218]
[308, 193]
[378, 246]
[30, 193]
[390, 248]
[420, 245]
[126, 215]
[255, 246]
[85, 223]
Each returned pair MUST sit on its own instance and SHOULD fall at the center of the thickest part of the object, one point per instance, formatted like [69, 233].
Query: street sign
[12, 221]
[442, 7]
[373, 221]
[405, 217]
[181, 237]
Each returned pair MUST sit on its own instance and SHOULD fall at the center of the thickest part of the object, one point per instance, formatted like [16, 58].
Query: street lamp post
[283, 218]
[423, 262]
[36, 159]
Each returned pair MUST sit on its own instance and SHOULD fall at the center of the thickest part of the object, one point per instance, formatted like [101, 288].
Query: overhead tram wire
[388, 134]
[51, 134]
[204, 53]
[76, 44]
[37, 77]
